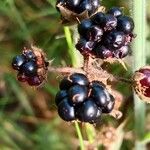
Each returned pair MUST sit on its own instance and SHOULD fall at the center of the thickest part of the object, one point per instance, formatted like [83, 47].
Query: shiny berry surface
[29, 68]
[84, 26]
[98, 18]
[122, 52]
[94, 33]
[77, 94]
[78, 78]
[85, 47]
[60, 96]
[125, 24]
[18, 61]
[115, 11]
[65, 84]
[103, 52]
[100, 96]
[115, 39]
[110, 105]
[109, 22]
[88, 111]
[66, 111]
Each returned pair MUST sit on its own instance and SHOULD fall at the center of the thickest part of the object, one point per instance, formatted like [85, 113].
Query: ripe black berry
[114, 40]
[98, 18]
[115, 11]
[60, 96]
[29, 68]
[66, 111]
[125, 24]
[18, 61]
[87, 112]
[109, 22]
[95, 33]
[103, 52]
[77, 94]
[122, 52]
[78, 78]
[100, 95]
[65, 84]
[84, 26]
[85, 47]
[110, 105]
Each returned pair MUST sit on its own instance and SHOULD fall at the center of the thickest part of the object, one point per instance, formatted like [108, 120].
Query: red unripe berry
[141, 80]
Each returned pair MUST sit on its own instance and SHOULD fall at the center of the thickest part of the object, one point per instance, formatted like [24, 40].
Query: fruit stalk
[139, 14]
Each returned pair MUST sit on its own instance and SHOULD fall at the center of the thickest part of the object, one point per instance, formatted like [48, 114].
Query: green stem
[79, 135]
[139, 14]
[70, 46]
[90, 131]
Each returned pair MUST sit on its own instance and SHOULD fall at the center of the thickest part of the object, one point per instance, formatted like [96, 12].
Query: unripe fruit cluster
[106, 35]
[79, 6]
[31, 66]
[80, 100]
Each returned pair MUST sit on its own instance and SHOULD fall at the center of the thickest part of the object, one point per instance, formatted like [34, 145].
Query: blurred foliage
[28, 117]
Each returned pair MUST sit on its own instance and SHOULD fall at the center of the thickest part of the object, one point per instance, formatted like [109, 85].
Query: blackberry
[122, 52]
[60, 96]
[109, 22]
[94, 34]
[29, 68]
[103, 52]
[76, 78]
[100, 95]
[115, 11]
[77, 94]
[18, 61]
[114, 40]
[65, 84]
[98, 18]
[66, 111]
[110, 105]
[84, 26]
[85, 47]
[88, 111]
[125, 24]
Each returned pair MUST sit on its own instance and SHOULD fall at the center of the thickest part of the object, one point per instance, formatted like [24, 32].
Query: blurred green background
[28, 117]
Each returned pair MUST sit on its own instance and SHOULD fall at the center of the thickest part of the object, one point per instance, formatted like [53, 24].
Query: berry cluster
[106, 35]
[141, 81]
[79, 99]
[79, 6]
[31, 66]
